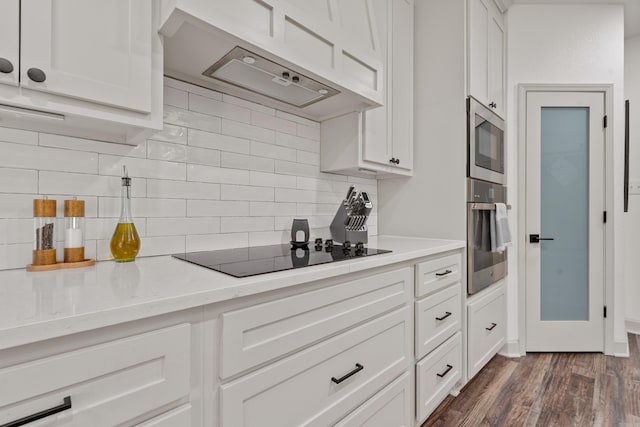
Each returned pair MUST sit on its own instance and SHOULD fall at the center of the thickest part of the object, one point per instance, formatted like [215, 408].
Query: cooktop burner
[244, 262]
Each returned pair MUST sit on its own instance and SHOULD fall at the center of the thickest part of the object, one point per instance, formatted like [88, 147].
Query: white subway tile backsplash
[217, 208]
[203, 173]
[272, 151]
[182, 226]
[142, 168]
[177, 98]
[44, 158]
[212, 107]
[245, 192]
[18, 136]
[81, 144]
[223, 173]
[236, 224]
[76, 184]
[269, 121]
[165, 151]
[18, 180]
[243, 130]
[212, 242]
[244, 161]
[180, 117]
[264, 179]
[220, 142]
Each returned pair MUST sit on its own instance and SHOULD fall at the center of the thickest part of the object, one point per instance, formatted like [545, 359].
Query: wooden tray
[61, 265]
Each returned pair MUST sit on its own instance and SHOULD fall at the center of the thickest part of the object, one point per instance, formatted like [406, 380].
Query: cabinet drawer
[437, 318]
[438, 273]
[261, 333]
[436, 375]
[112, 382]
[178, 417]
[486, 327]
[391, 407]
[302, 389]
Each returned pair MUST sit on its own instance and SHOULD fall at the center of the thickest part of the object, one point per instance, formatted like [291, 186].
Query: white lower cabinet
[178, 417]
[486, 328]
[437, 374]
[320, 385]
[390, 407]
[112, 383]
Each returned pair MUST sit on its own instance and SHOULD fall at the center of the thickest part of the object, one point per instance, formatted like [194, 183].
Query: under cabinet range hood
[248, 70]
[270, 53]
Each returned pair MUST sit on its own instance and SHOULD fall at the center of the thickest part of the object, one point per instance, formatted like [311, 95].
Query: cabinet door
[402, 84]
[478, 50]
[496, 61]
[9, 41]
[94, 50]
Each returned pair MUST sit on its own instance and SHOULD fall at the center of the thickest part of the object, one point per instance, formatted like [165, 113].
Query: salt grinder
[44, 218]
[73, 230]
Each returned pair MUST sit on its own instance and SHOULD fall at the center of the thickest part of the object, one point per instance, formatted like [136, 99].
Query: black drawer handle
[358, 368]
[493, 325]
[66, 404]
[446, 371]
[446, 314]
[445, 273]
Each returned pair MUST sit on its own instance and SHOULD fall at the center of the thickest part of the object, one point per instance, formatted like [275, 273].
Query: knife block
[341, 232]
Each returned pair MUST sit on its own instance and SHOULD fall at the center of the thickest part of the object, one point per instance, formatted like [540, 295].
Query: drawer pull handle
[446, 371]
[446, 314]
[358, 368]
[493, 325]
[445, 273]
[66, 404]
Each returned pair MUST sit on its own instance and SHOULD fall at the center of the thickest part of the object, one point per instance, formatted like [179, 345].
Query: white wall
[578, 43]
[632, 218]
[223, 173]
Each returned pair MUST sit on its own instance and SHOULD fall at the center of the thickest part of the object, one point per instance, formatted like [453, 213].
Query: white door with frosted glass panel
[565, 206]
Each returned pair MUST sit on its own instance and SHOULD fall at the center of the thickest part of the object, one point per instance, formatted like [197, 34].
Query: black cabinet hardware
[358, 368]
[444, 273]
[36, 74]
[66, 404]
[493, 325]
[446, 314]
[394, 161]
[493, 105]
[446, 371]
[6, 66]
[535, 238]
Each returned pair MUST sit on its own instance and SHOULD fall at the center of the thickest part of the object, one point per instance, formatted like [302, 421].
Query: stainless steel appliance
[486, 143]
[484, 267]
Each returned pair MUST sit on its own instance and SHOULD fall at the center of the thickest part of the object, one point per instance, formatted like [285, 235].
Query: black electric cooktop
[244, 262]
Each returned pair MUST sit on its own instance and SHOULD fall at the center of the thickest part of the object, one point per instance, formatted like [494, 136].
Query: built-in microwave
[486, 144]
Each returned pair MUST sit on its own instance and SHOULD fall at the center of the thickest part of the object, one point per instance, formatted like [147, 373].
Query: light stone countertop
[42, 305]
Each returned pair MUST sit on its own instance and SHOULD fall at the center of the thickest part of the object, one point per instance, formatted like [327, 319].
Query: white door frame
[607, 91]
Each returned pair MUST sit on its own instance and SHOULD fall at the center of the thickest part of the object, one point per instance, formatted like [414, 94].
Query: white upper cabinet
[333, 42]
[86, 68]
[486, 52]
[379, 141]
[97, 51]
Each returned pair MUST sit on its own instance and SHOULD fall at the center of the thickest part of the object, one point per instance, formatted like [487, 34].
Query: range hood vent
[253, 72]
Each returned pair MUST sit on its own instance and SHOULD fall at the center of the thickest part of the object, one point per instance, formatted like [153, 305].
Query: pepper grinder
[73, 230]
[44, 218]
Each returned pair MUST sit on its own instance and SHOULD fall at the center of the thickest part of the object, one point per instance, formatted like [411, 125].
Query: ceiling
[631, 11]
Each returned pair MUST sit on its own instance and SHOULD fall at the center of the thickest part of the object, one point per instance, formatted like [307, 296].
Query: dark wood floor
[549, 389]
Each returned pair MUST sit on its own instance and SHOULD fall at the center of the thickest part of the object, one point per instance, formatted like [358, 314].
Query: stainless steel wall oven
[484, 267]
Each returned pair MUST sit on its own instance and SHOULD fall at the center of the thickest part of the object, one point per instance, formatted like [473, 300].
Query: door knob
[535, 238]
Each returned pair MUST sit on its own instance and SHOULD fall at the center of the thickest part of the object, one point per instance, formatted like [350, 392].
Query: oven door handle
[483, 206]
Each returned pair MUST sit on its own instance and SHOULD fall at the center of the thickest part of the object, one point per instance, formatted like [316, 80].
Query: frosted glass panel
[564, 203]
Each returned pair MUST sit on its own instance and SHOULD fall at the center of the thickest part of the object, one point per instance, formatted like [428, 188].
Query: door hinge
[605, 311]
[604, 122]
[604, 217]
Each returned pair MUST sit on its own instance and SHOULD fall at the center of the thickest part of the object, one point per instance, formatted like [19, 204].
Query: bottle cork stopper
[44, 208]
[74, 208]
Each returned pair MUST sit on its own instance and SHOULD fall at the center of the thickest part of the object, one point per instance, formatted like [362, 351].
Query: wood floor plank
[550, 390]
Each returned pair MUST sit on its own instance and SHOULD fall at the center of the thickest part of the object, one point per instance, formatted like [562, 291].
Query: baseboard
[511, 349]
[633, 326]
[621, 348]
